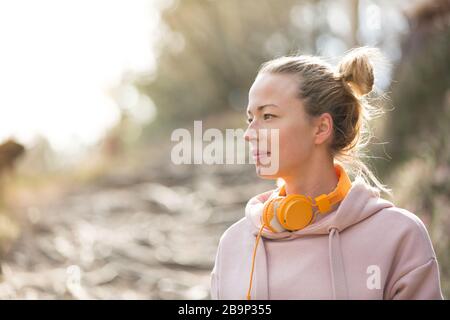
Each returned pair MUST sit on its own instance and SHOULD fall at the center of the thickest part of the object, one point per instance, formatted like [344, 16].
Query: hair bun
[356, 69]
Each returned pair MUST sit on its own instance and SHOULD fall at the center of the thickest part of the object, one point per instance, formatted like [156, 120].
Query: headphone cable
[253, 260]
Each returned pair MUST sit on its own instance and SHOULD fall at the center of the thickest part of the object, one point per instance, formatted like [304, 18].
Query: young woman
[320, 235]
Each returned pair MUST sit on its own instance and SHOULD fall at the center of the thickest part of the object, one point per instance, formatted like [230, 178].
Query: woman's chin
[266, 172]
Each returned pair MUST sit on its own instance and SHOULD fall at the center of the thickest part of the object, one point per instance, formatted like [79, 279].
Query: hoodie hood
[361, 202]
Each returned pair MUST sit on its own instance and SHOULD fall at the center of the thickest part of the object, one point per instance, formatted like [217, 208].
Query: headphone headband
[324, 202]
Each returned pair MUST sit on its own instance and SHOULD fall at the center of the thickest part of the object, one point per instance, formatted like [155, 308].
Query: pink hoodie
[365, 249]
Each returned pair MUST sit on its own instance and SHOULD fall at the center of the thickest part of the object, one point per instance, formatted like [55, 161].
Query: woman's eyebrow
[262, 107]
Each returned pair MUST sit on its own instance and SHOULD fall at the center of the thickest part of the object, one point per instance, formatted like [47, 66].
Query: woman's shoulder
[403, 218]
[407, 228]
[237, 229]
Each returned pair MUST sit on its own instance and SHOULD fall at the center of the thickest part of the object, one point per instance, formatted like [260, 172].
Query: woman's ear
[323, 128]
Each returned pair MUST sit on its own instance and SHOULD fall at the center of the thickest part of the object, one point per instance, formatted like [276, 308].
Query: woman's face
[273, 104]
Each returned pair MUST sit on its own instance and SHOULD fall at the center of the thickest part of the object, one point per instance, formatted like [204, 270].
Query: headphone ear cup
[295, 212]
[266, 215]
[270, 217]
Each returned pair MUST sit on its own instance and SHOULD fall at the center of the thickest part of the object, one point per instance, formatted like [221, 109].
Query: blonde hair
[341, 92]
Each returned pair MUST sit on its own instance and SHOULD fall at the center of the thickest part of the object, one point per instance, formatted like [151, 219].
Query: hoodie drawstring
[338, 278]
[337, 270]
[253, 261]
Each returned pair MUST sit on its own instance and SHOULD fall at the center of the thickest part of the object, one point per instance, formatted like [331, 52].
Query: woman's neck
[318, 177]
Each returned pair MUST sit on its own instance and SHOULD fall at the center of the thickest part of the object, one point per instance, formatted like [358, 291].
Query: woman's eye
[268, 116]
[249, 120]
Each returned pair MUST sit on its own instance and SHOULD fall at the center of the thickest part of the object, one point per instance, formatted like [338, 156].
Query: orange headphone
[295, 211]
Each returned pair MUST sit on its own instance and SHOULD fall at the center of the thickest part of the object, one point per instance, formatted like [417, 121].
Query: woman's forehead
[276, 89]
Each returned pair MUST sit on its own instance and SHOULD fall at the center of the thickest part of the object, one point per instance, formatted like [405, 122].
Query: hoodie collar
[361, 202]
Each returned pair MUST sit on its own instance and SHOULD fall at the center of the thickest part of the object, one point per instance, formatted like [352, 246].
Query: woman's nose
[250, 133]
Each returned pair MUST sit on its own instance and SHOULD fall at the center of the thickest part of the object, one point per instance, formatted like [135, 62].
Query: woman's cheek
[293, 150]
[288, 150]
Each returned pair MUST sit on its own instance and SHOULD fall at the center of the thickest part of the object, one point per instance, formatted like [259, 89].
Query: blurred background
[91, 207]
